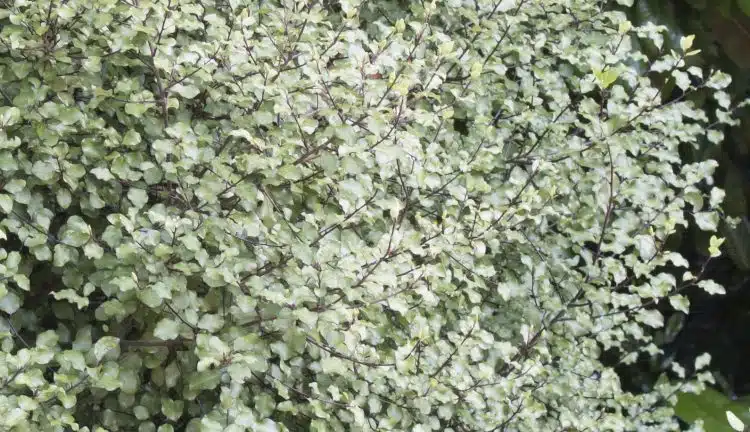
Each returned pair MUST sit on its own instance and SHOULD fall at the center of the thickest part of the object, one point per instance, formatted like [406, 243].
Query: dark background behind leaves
[719, 325]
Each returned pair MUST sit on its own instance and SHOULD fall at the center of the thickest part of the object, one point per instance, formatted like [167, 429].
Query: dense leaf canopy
[315, 215]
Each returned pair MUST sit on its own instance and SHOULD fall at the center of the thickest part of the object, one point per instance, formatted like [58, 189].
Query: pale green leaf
[106, 345]
[186, 91]
[167, 329]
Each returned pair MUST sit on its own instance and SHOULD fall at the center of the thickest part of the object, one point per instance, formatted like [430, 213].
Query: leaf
[93, 251]
[6, 203]
[74, 358]
[714, 245]
[333, 365]
[711, 287]
[707, 221]
[476, 70]
[446, 48]
[104, 346]
[171, 375]
[9, 116]
[172, 409]
[702, 361]
[47, 339]
[210, 322]
[150, 298]
[735, 422]
[163, 146]
[71, 296]
[44, 170]
[680, 303]
[191, 242]
[76, 232]
[646, 246]
[652, 318]
[167, 329]
[686, 42]
[723, 99]
[205, 380]
[140, 412]
[69, 116]
[400, 26]
[682, 80]
[21, 69]
[135, 109]
[131, 138]
[102, 173]
[186, 91]
[308, 125]
[716, 197]
[10, 303]
[152, 175]
[64, 198]
[624, 27]
[607, 77]
[138, 197]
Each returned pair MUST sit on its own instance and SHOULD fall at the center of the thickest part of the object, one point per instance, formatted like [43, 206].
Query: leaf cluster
[292, 215]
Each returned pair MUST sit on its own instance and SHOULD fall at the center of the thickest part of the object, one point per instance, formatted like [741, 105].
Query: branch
[335, 353]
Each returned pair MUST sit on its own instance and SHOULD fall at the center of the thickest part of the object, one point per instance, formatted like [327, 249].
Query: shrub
[299, 215]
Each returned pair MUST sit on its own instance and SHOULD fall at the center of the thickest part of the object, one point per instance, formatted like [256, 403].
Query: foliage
[722, 35]
[721, 31]
[293, 215]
